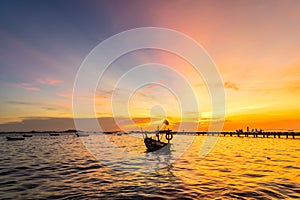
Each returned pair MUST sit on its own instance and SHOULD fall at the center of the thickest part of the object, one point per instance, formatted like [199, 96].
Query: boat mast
[157, 133]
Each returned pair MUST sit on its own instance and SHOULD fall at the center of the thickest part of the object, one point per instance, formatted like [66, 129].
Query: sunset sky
[254, 44]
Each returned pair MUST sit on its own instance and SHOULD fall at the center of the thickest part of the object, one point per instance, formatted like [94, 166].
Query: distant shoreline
[240, 133]
[18, 132]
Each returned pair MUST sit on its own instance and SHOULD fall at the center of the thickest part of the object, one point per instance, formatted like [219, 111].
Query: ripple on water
[44, 167]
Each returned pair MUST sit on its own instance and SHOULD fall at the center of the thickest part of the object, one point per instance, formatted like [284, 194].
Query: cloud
[48, 108]
[38, 124]
[35, 86]
[65, 94]
[49, 81]
[230, 85]
[35, 104]
[27, 86]
[59, 124]
[142, 120]
[21, 103]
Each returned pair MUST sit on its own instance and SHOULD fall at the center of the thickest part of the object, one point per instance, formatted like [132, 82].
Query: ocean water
[68, 167]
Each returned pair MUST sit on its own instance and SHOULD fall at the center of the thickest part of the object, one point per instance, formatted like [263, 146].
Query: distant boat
[14, 138]
[153, 144]
[54, 134]
[108, 132]
[26, 135]
[121, 133]
[81, 134]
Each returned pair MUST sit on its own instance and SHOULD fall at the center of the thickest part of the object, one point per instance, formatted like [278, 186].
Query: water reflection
[61, 167]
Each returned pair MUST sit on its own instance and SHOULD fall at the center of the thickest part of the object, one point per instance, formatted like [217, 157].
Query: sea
[101, 166]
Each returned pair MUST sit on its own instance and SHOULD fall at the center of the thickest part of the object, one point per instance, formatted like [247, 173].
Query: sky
[255, 46]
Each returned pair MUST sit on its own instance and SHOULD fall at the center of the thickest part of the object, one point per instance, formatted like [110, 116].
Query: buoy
[169, 136]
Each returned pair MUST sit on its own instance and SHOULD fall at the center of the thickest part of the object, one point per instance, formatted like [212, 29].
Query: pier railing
[292, 135]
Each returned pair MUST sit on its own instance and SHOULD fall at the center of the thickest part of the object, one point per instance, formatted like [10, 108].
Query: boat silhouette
[14, 138]
[54, 134]
[155, 143]
[81, 134]
[26, 135]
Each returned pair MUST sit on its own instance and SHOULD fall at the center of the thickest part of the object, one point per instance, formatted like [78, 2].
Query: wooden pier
[258, 134]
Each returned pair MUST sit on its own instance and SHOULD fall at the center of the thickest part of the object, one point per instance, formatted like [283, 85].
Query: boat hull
[82, 134]
[14, 138]
[25, 135]
[154, 145]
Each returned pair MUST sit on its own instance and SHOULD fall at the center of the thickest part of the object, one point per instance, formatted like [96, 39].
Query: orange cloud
[69, 95]
[34, 87]
[27, 86]
[65, 94]
[230, 85]
[49, 81]
[141, 121]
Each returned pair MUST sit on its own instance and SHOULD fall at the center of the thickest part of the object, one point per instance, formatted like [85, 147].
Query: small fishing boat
[14, 138]
[54, 134]
[119, 133]
[26, 135]
[155, 143]
[81, 134]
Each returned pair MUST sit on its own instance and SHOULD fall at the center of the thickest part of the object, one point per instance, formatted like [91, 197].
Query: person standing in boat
[166, 123]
